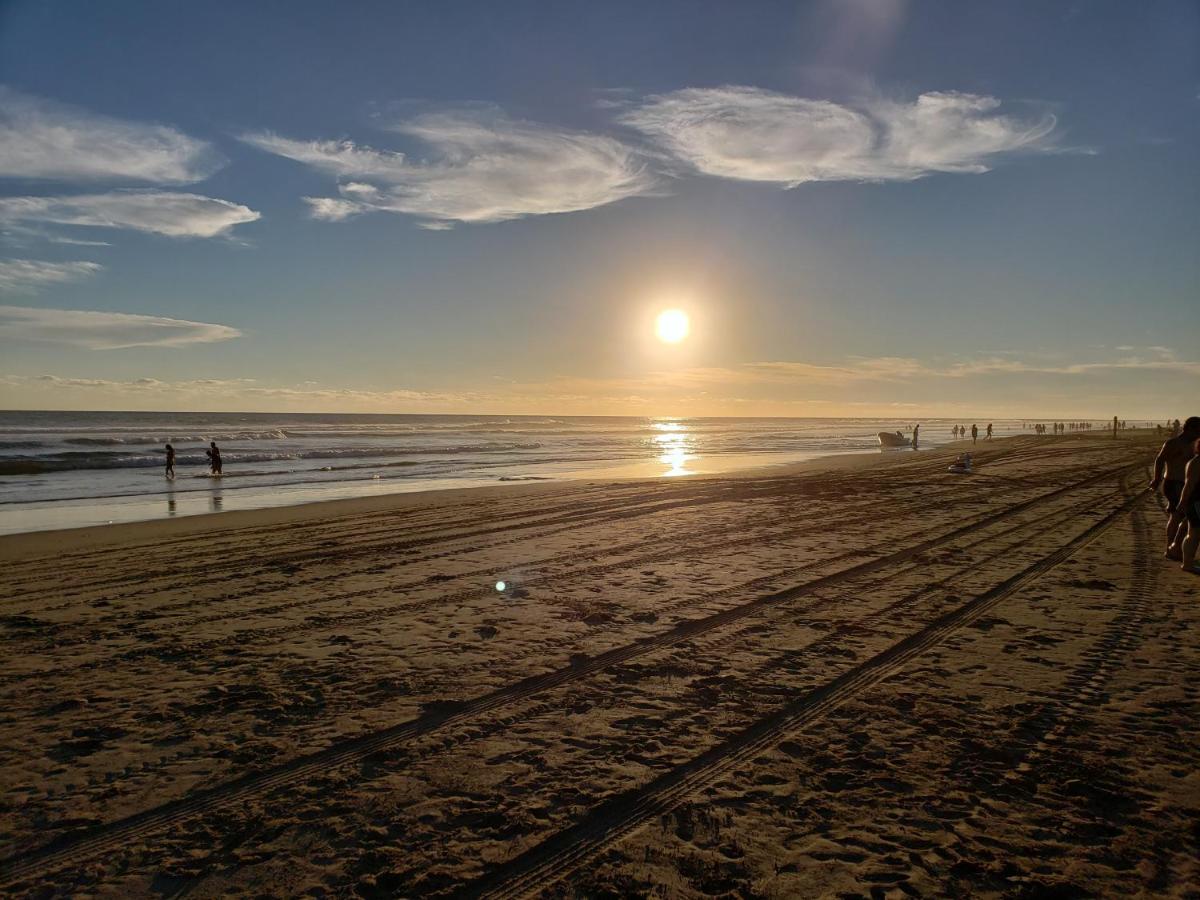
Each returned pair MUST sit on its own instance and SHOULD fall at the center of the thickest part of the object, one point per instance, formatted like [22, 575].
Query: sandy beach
[853, 677]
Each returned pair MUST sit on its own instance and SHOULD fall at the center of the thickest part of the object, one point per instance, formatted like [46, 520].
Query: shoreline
[280, 463]
[18, 544]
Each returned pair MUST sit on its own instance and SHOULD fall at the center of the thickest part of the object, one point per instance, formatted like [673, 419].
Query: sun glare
[672, 326]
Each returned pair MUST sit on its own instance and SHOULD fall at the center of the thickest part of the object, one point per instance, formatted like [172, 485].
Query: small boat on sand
[893, 439]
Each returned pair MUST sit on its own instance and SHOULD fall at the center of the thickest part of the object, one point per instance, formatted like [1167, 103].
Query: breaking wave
[114, 459]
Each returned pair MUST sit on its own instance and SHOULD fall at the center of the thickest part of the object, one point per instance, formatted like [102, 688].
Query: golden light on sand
[672, 326]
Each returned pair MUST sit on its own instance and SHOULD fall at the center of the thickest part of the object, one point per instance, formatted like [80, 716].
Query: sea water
[66, 469]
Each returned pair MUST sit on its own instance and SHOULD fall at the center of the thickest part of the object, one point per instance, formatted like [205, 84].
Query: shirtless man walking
[1187, 516]
[1170, 471]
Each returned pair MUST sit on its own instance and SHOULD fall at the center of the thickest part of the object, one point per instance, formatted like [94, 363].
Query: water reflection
[172, 508]
[215, 501]
[674, 446]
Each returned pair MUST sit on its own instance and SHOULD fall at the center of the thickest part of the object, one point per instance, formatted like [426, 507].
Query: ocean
[67, 469]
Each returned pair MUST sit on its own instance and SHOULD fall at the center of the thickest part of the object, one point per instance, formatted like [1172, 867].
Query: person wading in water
[214, 457]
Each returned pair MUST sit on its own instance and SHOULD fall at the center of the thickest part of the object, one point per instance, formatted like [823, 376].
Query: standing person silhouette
[974, 433]
[214, 457]
[916, 430]
[989, 431]
[1114, 428]
[170, 472]
[1170, 471]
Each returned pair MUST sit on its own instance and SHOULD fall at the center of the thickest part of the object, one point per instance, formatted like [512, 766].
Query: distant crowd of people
[959, 432]
[1118, 424]
[1061, 427]
[1177, 473]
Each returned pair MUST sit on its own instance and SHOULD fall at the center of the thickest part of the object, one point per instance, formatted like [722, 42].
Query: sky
[865, 207]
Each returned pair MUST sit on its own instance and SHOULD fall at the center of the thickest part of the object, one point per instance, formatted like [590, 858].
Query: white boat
[893, 439]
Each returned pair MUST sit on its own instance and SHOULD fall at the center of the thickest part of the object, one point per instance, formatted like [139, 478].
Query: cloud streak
[106, 330]
[42, 139]
[855, 371]
[485, 167]
[157, 212]
[751, 134]
[26, 276]
[863, 386]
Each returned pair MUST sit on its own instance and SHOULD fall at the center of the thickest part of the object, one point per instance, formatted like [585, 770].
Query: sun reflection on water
[673, 445]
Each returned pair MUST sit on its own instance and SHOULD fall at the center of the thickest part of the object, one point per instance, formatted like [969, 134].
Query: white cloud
[159, 212]
[106, 330]
[75, 242]
[486, 167]
[28, 275]
[43, 139]
[333, 209]
[753, 134]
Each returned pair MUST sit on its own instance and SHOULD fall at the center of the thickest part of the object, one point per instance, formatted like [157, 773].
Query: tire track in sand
[74, 848]
[566, 851]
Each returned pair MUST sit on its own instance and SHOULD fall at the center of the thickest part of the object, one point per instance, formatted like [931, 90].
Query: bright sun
[672, 326]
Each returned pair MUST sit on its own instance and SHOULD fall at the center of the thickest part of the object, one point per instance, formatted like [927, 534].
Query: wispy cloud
[855, 371]
[752, 134]
[158, 212]
[243, 391]
[145, 383]
[891, 368]
[25, 276]
[1159, 363]
[106, 330]
[486, 167]
[47, 140]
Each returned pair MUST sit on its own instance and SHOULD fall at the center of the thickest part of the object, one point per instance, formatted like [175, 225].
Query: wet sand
[855, 677]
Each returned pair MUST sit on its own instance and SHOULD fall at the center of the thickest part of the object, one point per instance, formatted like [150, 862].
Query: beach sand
[857, 677]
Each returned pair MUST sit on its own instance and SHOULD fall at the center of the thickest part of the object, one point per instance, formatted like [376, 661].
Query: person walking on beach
[214, 457]
[989, 431]
[916, 430]
[1187, 516]
[170, 473]
[974, 433]
[1170, 468]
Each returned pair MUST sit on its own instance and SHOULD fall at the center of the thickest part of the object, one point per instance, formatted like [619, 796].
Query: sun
[672, 326]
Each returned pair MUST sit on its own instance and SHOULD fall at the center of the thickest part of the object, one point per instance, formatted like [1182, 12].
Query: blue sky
[866, 207]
